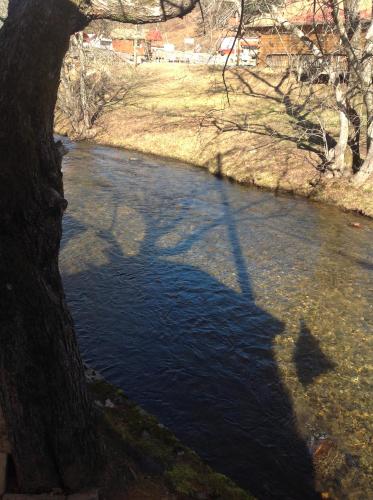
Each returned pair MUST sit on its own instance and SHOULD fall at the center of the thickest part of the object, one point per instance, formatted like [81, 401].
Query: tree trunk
[43, 395]
[354, 136]
[366, 169]
[349, 28]
[83, 84]
[337, 154]
[42, 387]
[367, 68]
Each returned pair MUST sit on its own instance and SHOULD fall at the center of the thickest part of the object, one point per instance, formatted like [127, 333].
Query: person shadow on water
[194, 352]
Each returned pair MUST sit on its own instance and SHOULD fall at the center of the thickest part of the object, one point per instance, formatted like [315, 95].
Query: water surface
[241, 319]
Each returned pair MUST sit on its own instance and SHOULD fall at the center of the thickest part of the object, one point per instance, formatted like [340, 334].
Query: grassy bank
[269, 134]
[147, 462]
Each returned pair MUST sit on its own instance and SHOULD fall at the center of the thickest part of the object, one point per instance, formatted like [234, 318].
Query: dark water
[243, 320]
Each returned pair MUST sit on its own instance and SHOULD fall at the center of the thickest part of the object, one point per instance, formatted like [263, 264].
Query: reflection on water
[241, 319]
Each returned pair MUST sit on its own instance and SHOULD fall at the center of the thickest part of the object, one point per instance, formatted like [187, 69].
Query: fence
[178, 56]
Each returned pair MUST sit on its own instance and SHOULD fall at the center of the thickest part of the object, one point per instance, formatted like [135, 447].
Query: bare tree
[91, 80]
[351, 80]
[225, 15]
[43, 395]
[216, 18]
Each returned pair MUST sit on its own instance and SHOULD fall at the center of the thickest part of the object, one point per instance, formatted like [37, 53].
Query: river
[242, 319]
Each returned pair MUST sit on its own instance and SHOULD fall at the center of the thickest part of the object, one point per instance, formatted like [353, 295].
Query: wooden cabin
[278, 49]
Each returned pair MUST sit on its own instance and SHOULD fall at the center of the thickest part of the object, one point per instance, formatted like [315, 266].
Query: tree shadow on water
[193, 351]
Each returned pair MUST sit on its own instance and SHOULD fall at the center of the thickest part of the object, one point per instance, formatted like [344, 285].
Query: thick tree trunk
[43, 395]
[42, 387]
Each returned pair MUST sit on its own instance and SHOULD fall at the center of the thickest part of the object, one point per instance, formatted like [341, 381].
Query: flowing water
[241, 319]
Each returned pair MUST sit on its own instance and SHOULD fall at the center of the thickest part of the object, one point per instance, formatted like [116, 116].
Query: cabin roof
[154, 35]
[308, 12]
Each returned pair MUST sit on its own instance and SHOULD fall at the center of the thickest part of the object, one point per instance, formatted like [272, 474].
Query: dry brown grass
[262, 136]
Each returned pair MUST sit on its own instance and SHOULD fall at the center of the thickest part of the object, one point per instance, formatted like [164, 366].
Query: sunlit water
[241, 319]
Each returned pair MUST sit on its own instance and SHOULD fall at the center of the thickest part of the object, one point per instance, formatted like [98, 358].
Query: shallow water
[241, 319]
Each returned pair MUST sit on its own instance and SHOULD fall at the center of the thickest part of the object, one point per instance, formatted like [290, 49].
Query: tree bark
[43, 393]
[366, 169]
[49, 417]
[337, 154]
[367, 69]
[354, 136]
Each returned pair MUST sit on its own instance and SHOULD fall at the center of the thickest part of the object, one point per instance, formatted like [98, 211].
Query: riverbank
[145, 460]
[193, 294]
[265, 136]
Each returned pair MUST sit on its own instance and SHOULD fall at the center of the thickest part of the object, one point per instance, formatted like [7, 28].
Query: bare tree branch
[135, 11]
